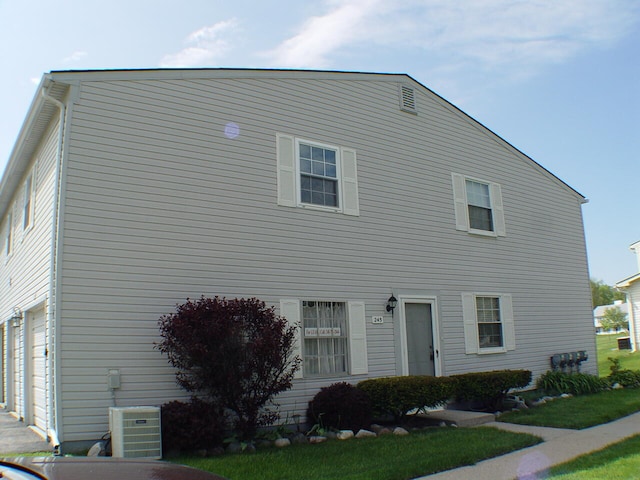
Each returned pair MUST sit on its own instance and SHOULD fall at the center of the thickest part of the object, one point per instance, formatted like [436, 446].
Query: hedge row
[397, 396]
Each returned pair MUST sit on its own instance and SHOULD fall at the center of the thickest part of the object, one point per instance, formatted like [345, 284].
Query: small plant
[340, 406]
[557, 382]
[624, 378]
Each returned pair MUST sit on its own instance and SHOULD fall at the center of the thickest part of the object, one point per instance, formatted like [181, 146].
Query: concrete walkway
[560, 446]
[16, 437]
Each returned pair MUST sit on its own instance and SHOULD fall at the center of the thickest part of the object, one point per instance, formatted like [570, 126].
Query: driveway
[16, 437]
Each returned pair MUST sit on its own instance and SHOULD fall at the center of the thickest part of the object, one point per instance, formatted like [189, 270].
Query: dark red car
[96, 468]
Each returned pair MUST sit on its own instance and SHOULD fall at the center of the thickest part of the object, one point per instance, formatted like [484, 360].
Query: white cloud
[203, 46]
[320, 36]
[484, 34]
[75, 57]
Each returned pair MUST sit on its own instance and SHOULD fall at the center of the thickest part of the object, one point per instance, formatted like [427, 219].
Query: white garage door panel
[38, 370]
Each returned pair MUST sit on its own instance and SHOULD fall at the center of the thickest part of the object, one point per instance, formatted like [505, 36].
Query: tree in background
[234, 354]
[603, 294]
[614, 319]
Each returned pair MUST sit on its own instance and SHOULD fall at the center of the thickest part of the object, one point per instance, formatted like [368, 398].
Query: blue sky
[558, 79]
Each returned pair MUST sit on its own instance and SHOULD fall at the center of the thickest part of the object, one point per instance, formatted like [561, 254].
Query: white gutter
[52, 304]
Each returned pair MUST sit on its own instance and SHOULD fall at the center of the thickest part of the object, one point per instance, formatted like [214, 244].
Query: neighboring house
[322, 193]
[631, 286]
[599, 312]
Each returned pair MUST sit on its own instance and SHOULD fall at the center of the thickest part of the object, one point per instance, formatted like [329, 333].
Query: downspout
[52, 304]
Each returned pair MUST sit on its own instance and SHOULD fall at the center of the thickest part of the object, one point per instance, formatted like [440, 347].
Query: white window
[8, 238]
[331, 336]
[488, 323]
[478, 206]
[316, 175]
[324, 330]
[29, 194]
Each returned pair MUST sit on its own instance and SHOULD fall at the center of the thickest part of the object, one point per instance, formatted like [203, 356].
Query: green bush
[399, 395]
[487, 390]
[341, 406]
[557, 382]
[625, 378]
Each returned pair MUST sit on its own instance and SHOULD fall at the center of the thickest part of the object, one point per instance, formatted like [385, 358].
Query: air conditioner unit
[135, 432]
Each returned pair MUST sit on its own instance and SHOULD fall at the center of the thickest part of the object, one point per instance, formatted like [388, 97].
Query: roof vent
[407, 99]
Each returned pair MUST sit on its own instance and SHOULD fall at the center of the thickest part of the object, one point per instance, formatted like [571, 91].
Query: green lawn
[618, 462]
[579, 412]
[384, 458]
[608, 347]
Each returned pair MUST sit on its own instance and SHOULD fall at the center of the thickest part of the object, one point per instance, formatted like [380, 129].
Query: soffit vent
[407, 99]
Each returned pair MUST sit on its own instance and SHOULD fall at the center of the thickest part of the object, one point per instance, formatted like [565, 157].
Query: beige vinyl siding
[25, 275]
[161, 206]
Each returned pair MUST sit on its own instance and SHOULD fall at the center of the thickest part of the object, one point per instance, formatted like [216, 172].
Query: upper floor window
[318, 175]
[478, 206]
[315, 175]
[488, 323]
[29, 193]
[8, 238]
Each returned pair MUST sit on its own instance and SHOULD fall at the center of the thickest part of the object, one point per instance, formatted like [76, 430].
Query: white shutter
[351, 205]
[290, 309]
[470, 324]
[460, 202]
[498, 209]
[358, 338]
[285, 151]
[506, 310]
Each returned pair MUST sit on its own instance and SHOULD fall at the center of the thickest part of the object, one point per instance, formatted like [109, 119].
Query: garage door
[38, 370]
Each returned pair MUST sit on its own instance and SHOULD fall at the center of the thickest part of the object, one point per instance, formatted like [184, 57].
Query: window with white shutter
[317, 176]
[478, 206]
[488, 323]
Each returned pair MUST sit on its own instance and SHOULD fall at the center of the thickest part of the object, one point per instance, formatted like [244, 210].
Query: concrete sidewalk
[16, 437]
[560, 446]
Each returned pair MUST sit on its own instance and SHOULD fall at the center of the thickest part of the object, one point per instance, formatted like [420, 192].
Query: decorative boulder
[400, 431]
[345, 434]
[317, 439]
[362, 433]
[282, 442]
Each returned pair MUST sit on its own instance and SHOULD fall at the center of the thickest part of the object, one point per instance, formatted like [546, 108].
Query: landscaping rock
[299, 438]
[362, 433]
[282, 442]
[317, 439]
[234, 447]
[384, 431]
[377, 428]
[345, 434]
[400, 431]
[331, 435]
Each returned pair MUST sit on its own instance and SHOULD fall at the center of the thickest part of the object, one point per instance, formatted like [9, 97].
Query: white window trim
[288, 175]
[470, 321]
[338, 209]
[32, 200]
[9, 241]
[461, 206]
[357, 359]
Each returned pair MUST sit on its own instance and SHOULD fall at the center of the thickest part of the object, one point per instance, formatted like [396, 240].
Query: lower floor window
[489, 322]
[324, 329]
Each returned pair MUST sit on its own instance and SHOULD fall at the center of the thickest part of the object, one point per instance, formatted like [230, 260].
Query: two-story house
[333, 196]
